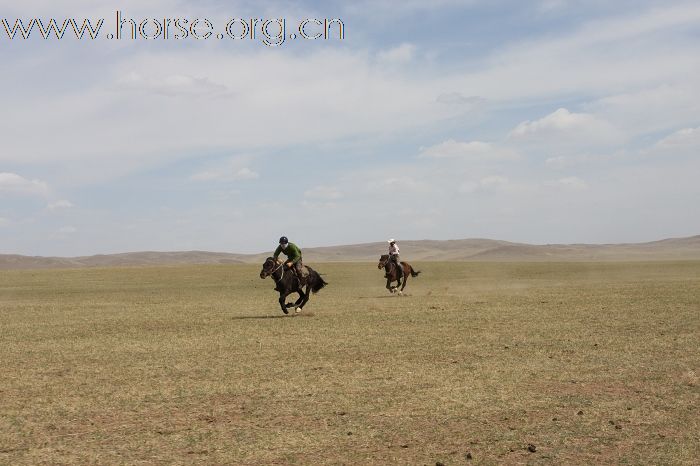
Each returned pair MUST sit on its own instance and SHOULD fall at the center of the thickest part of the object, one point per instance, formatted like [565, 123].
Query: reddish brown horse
[392, 273]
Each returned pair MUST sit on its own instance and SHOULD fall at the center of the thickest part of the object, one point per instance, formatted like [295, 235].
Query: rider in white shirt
[394, 255]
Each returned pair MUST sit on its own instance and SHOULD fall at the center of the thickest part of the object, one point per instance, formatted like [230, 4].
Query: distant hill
[423, 250]
[122, 260]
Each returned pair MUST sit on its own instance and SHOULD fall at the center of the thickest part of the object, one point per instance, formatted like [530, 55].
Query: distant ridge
[423, 250]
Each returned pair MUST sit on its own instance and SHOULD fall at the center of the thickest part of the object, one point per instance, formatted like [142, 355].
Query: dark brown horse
[286, 282]
[392, 275]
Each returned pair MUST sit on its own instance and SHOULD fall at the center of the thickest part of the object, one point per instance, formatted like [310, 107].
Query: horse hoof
[297, 310]
[400, 293]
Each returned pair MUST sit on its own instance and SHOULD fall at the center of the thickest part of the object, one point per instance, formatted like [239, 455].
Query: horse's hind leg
[303, 298]
[398, 282]
[399, 286]
[405, 278]
[300, 300]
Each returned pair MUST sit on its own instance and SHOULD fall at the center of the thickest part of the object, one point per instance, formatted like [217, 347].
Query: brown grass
[589, 363]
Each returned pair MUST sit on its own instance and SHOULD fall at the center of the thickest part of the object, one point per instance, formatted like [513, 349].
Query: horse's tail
[413, 272]
[317, 283]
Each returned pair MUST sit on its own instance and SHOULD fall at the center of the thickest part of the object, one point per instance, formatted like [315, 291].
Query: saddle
[399, 270]
[304, 274]
[304, 271]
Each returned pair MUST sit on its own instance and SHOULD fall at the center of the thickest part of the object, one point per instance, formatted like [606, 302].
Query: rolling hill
[422, 250]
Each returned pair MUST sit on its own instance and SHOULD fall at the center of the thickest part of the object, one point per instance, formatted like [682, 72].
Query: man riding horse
[394, 256]
[294, 261]
[394, 269]
[294, 282]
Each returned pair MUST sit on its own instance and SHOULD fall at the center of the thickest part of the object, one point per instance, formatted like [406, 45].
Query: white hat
[392, 240]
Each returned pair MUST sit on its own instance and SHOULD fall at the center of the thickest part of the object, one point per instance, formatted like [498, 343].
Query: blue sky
[550, 121]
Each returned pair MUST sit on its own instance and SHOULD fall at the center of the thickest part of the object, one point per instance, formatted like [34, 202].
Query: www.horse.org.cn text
[270, 32]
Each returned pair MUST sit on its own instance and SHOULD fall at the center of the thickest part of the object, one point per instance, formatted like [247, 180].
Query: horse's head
[268, 267]
[382, 261]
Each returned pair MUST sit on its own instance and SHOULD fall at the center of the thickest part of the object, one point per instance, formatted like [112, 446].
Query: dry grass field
[482, 363]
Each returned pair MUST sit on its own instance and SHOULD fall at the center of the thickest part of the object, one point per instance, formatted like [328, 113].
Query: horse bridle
[276, 269]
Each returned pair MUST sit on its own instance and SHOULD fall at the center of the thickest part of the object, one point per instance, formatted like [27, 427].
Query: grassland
[582, 363]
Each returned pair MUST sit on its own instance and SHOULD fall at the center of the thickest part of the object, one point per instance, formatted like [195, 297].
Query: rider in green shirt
[293, 254]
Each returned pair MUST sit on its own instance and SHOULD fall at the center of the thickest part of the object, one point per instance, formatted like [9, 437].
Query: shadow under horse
[287, 282]
[392, 273]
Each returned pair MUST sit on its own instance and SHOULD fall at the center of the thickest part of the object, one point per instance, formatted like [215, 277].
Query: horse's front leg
[283, 298]
[388, 285]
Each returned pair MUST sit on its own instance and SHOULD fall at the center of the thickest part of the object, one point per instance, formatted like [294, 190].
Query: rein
[391, 264]
[271, 274]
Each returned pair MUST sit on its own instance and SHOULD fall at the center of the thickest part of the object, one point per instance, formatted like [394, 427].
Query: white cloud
[488, 183]
[683, 142]
[644, 24]
[651, 109]
[563, 127]
[59, 205]
[457, 98]
[402, 183]
[318, 205]
[396, 8]
[90, 8]
[323, 193]
[14, 184]
[67, 230]
[401, 54]
[548, 5]
[234, 175]
[468, 187]
[233, 169]
[560, 121]
[172, 85]
[561, 162]
[326, 95]
[599, 57]
[573, 183]
[470, 150]
[495, 182]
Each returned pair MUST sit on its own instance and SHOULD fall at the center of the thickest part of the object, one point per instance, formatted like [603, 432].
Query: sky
[544, 121]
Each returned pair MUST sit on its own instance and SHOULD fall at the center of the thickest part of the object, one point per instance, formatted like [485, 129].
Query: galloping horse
[392, 275]
[286, 282]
